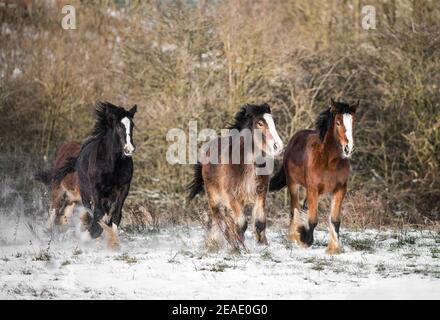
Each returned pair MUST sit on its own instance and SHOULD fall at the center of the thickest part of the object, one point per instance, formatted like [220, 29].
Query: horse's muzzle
[347, 151]
[128, 151]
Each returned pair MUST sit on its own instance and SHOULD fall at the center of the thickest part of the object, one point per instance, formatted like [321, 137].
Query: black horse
[105, 167]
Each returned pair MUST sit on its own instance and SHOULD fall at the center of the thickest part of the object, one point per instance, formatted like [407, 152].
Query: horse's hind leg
[295, 215]
[56, 204]
[334, 243]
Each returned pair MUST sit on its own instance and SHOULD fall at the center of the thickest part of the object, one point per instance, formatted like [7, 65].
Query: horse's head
[120, 121]
[258, 119]
[343, 120]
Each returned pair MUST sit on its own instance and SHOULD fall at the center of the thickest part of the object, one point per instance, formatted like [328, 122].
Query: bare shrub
[200, 60]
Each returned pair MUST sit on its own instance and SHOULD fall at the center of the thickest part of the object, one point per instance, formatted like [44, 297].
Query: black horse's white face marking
[128, 147]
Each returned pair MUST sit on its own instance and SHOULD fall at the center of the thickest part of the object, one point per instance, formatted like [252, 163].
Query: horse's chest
[330, 180]
[112, 181]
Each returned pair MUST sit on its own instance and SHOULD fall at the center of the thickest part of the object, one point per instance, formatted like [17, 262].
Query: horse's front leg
[99, 212]
[239, 218]
[303, 226]
[116, 213]
[111, 224]
[259, 219]
[334, 243]
[56, 206]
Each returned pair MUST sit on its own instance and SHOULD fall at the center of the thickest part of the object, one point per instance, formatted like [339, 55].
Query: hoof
[112, 236]
[297, 236]
[262, 240]
[302, 235]
[301, 232]
[334, 248]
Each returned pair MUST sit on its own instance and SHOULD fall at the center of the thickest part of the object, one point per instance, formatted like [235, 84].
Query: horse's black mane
[101, 114]
[241, 118]
[325, 119]
[102, 110]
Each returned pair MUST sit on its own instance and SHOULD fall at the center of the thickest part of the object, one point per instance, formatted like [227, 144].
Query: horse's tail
[196, 185]
[43, 176]
[67, 168]
[278, 181]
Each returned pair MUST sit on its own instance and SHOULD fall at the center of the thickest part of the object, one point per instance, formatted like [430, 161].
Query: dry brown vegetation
[201, 60]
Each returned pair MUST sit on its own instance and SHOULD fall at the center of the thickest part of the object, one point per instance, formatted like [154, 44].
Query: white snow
[173, 264]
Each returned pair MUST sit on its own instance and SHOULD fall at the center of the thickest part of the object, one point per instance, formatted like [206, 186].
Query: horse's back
[67, 150]
[70, 182]
[296, 149]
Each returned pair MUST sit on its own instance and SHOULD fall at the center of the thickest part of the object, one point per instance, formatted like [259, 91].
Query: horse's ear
[133, 110]
[333, 106]
[354, 107]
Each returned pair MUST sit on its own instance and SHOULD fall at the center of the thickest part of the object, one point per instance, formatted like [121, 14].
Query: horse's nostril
[347, 149]
[275, 146]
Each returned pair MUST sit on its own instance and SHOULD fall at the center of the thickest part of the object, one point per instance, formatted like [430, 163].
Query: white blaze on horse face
[275, 147]
[348, 124]
[128, 147]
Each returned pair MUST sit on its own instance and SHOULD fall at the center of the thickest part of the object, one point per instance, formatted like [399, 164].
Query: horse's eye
[260, 124]
[338, 123]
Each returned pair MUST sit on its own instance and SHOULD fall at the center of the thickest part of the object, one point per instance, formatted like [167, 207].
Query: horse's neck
[108, 150]
[330, 150]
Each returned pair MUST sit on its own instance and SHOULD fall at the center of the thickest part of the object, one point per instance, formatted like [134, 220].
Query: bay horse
[230, 185]
[318, 160]
[104, 167]
[64, 194]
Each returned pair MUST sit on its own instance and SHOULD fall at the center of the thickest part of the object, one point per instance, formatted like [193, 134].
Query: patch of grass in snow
[266, 255]
[5, 259]
[435, 253]
[410, 255]
[26, 272]
[127, 258]
[42, 256]
[380, 267]
[404, 239]
[77, 252]
[219, 267]
[318, 264]
[366, 245]
[427, 271]
[65, 263]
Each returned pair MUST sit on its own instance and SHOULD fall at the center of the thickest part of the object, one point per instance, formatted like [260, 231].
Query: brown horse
[65, 194]
[318, 161]
[232, 183]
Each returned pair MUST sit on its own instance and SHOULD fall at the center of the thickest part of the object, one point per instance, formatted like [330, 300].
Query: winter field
[173, 264]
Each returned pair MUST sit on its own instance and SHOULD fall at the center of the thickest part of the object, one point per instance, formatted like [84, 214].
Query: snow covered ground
[172, 264]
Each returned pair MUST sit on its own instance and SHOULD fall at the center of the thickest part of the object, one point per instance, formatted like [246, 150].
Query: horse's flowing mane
[323, 123]
[101, 123]
[325, 118]
[242, 117]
